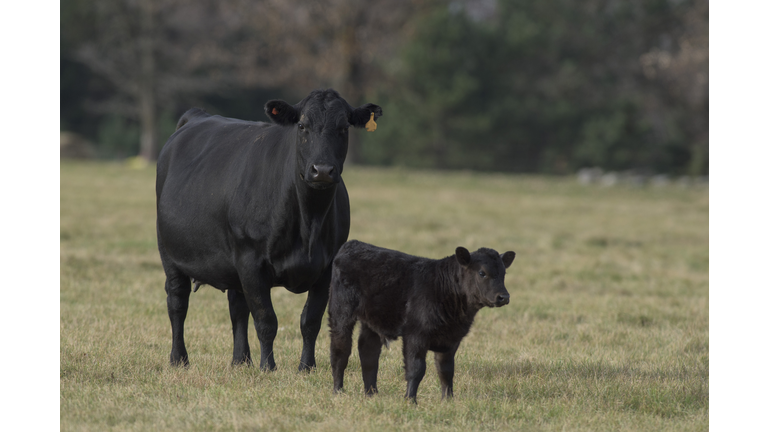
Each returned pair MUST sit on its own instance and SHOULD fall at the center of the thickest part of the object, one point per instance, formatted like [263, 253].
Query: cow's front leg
[238, 314]
[444, 362]
[415, 356]
[257, 287]
[312, 320]
[265, 322]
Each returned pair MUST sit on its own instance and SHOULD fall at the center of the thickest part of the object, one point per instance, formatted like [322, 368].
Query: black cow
[245, 206]
[430, 303]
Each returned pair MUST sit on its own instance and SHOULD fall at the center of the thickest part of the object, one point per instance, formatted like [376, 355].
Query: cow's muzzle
[320, 173]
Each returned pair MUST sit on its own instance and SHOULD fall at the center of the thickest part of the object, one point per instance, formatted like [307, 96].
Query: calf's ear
[507, 258]
[462, 256]
[362, 115]
[281, 113]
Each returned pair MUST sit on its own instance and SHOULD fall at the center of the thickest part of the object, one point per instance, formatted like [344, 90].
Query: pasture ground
[607, 328]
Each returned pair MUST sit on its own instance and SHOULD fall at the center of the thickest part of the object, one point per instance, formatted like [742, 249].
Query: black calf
[430, 303]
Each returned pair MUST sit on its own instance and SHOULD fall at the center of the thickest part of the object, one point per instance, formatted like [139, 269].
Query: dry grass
[607, 328]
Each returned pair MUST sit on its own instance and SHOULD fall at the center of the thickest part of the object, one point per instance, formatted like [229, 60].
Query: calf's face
[321, 123]
[484, 272]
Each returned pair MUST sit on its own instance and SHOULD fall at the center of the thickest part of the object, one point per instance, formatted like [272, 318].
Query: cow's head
[483, 272]
[321, 122]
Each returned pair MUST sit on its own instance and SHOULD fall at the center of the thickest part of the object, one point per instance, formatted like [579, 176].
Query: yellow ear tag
[371, 125]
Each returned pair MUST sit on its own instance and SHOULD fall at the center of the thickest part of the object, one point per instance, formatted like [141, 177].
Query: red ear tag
[274, 111]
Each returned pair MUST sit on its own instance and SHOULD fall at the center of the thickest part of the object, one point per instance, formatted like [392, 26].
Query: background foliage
[502, 85]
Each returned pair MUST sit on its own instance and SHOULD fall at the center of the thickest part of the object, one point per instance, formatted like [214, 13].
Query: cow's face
[321, 125]
[484, 271]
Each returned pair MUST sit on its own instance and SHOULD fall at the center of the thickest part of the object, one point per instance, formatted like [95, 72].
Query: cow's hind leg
[177, 288]
[239, 313]
[369, 348]
[312, 321]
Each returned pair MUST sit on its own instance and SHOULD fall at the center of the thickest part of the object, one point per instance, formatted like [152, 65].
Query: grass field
[607, 328]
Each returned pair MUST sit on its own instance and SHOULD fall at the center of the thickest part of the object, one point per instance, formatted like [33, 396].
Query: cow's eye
[301, 127]
[482, 274]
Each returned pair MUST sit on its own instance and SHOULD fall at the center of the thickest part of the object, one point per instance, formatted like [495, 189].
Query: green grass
[607, 328]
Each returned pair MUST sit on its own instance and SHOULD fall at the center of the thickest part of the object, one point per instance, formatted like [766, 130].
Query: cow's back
[208, 149]
[202, 173]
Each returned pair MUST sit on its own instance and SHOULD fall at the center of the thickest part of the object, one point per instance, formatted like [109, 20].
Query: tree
[680, 73]
[551, 86]
[156, 52]
[344, 44]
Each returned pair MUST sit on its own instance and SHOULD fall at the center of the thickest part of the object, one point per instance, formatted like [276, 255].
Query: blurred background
[544, 86]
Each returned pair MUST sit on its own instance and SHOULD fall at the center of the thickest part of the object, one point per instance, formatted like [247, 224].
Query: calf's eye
[482, 274]
[301, 127]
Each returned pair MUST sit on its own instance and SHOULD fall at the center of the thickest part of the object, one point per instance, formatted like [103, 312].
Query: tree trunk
[148, 148]
[352, 87]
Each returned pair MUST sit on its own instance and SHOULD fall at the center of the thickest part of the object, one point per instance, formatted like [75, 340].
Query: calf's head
[483, 272]
[321, 122]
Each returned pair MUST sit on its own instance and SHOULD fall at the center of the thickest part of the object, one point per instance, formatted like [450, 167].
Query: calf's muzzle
[501, 300]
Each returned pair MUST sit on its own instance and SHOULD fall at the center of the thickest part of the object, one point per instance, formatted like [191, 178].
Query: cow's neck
[313, 208]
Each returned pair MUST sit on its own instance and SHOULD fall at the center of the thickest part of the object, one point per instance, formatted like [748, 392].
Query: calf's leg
[444, 362]
[177, 289]
[369, 348]
[239, 314]
[415, 355]
[341, 348]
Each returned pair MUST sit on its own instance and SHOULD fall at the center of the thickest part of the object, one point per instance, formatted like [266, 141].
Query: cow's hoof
[242, 362]
[306, 368]
[268, 368]
[181, 362]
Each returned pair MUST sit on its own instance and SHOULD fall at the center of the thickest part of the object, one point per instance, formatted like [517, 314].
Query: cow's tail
[188, 116]
[182, 121]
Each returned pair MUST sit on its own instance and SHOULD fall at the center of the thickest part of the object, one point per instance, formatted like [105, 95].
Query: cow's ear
[507, 258]
[281, 113]
[462, 256]
[362, 115]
